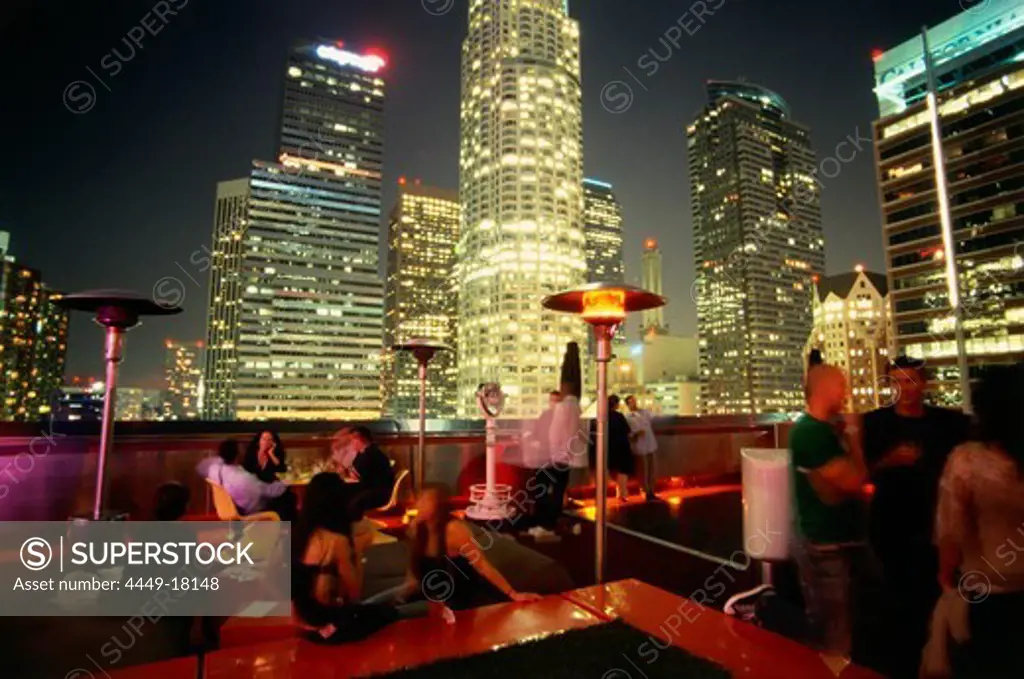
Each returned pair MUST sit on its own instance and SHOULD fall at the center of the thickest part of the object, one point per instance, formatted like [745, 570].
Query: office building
[297, 307]
[82, 402]
[602, 229]
[135, 404]
[853, 330]
[672, 398]
[33, 344]
[421, 299]
[182, 374]
[521, 191]
[652, 321]
[979, 65]
[220, 367]
[758, 242]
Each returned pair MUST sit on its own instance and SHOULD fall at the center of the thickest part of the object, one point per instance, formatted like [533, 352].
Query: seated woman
[327, 568]
[447, 565]
[265, 456]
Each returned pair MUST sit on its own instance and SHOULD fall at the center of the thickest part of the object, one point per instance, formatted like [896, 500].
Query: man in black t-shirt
[906, 447]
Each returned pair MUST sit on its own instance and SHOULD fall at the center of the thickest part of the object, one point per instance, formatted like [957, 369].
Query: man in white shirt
[249, 494]
[645, 444]
[566, 448]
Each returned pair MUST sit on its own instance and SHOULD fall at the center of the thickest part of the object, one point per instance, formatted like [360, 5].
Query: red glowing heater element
[604, 306]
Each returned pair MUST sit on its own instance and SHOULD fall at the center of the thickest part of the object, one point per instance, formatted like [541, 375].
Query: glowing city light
[364, 62]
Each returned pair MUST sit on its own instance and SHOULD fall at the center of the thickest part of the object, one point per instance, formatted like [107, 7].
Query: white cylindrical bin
[767, 503]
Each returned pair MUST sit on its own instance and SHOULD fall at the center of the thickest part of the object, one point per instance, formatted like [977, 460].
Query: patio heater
[423, 350]
[118, 311]
[489, 500]
[604, 306]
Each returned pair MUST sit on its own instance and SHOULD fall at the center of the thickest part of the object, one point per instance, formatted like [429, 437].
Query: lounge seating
[227, 511]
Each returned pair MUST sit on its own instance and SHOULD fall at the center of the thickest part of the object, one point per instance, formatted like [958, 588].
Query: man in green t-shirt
[828, 481]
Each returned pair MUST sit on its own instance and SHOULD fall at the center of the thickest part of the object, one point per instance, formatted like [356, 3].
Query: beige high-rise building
[421, 300]
[521, 190]
[853, 330]
[758, 241]
[220, 369]
[652, 321]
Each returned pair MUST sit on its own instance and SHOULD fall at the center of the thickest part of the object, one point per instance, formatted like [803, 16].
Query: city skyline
[651, 201]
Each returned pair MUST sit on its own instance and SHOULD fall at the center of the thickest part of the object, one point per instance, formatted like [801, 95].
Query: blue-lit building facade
[979, 63]
[297, 303]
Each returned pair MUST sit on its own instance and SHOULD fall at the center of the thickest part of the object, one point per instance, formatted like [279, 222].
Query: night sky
[122, 195]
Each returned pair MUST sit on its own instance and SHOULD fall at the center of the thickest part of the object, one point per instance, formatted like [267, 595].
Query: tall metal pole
[421, 446]
[604, 352]
[948, 242]
[114, 346]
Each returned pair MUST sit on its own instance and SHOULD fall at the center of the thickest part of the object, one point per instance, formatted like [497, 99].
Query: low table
[746, 651]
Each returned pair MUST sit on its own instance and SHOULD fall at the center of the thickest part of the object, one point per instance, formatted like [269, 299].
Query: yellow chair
[393, 502]
[227, 511]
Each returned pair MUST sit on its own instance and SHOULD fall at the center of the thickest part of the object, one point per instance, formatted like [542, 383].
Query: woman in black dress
[265, 456]
[327, 568]
[620, 450]
[447, 565]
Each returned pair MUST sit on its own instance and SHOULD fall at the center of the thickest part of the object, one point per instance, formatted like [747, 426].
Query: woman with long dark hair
[447, 564]
[265, 456]
[980, 534]
[327, 568]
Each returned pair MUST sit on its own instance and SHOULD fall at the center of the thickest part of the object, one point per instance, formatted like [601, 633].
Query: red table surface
[405, 644]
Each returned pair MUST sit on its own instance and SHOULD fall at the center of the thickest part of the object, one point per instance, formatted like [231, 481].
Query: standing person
[620, 452]
[979, 530]
[249, 494]
[327, 568]
[359, 461]
[563, 435]
[829, 544]
[543, 481]
[906, 447]
[645, 444]
[265, 456]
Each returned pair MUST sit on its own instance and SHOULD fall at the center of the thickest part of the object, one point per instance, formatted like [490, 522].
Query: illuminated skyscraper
[521, 190]
[602, 224]
[652, 321]
[979, 67]
[758, 242]
[182, 373]
[421, 299]
[297, 307]
[853, 330]
[33, 344]
[220, 368]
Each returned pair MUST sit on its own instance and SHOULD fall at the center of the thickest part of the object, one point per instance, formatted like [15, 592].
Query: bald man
[828, 481]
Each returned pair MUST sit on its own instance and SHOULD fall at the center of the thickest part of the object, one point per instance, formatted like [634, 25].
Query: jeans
[831, 578]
